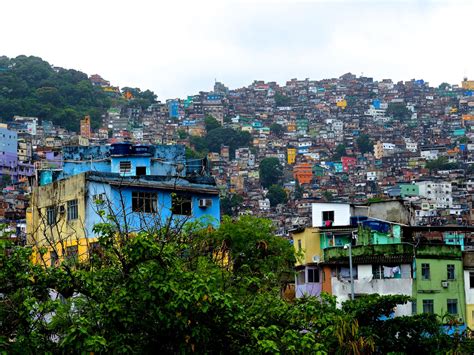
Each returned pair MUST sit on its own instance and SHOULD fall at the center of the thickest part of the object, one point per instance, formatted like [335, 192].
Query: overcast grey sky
[177, 48]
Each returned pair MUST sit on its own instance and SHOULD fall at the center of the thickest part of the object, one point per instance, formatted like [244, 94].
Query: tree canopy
[277, 129]
[211, 123]
[276, 194]
[30, 86]
[194, 290]
[398, 110]
[217, 137]
[365, 144]
[270, 171]
[339, 152]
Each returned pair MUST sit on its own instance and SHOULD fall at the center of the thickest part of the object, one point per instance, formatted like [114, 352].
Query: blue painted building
[143, 187]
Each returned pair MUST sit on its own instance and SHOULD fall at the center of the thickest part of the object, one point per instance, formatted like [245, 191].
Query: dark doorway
[140, 170]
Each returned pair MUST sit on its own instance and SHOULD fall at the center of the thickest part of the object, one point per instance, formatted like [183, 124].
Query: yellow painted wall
[291, 155]
[469, 317]
[310, 245]
[65, 233]
[468, 84]
[341, 103]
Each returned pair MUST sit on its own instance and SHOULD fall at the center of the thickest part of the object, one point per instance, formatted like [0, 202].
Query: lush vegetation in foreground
[194, 290]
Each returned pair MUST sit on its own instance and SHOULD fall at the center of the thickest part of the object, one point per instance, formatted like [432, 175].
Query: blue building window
[145, 202]
[181, 204]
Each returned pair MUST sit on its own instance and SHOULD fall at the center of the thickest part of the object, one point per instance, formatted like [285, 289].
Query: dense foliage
[398, 110]
[139, 99]
[193, 290]
[30, 86]
[365, 144]
[219, 136]
[276, 194]
[270, 171]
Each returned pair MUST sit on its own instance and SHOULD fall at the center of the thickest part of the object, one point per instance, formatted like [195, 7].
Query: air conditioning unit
[205, 202]
[316, 258]
[61, 209]
[444, 284]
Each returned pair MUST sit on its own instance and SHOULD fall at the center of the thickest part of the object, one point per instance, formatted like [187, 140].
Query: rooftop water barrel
[141, 149]
[121, 149]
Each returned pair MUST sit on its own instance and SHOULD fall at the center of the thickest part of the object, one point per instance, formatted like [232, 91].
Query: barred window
[425, 271]
[181, 204]
[51, 213]
[428, 306]
[144, 202]
[313, 275]
[72, 210]
[451, 272]
[452, 306]
[125, 166]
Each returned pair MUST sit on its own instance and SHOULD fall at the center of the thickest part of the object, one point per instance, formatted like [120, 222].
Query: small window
[344, 272]
[181, 204]
[300, 277]
[451, 272]
[51, 213]
[425, 271]
[452, 306]
[313, 275]
[125, 166]
[428, 306]
[72, 210]
[413, 307]
[299, 244]
[471, 279]
[328, 216]
[145, 202]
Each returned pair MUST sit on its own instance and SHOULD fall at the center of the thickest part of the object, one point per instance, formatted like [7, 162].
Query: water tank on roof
[121, 149]
[141, 149]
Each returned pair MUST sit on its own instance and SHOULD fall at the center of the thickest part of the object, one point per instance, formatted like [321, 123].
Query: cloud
[178, 48]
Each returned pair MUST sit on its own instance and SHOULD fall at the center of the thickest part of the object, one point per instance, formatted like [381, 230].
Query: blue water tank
[121, 149]
[141, 149]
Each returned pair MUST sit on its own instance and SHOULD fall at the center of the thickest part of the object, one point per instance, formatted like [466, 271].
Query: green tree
[299, 190]
[227, 136]
[328, 196]
[282, 100]
[441, 163]
[444, 86]
[270, 172]
[211, 123]
[364, 144]
[276, 194]
[277, 129]
[193, 289]
[230, 204]
[339, 152]
[398, 110]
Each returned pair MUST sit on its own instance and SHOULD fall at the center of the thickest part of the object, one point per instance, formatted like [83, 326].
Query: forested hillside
[30, 86]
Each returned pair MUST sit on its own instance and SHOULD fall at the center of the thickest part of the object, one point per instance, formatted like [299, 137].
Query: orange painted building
[303, 172]
[86, 127]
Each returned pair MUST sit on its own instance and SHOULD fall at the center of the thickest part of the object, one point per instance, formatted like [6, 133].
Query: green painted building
[438, 285]
[409, 190]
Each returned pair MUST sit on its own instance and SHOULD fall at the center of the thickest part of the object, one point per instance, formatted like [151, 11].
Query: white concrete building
[339, 214]
[440, 193]
[374, 278]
